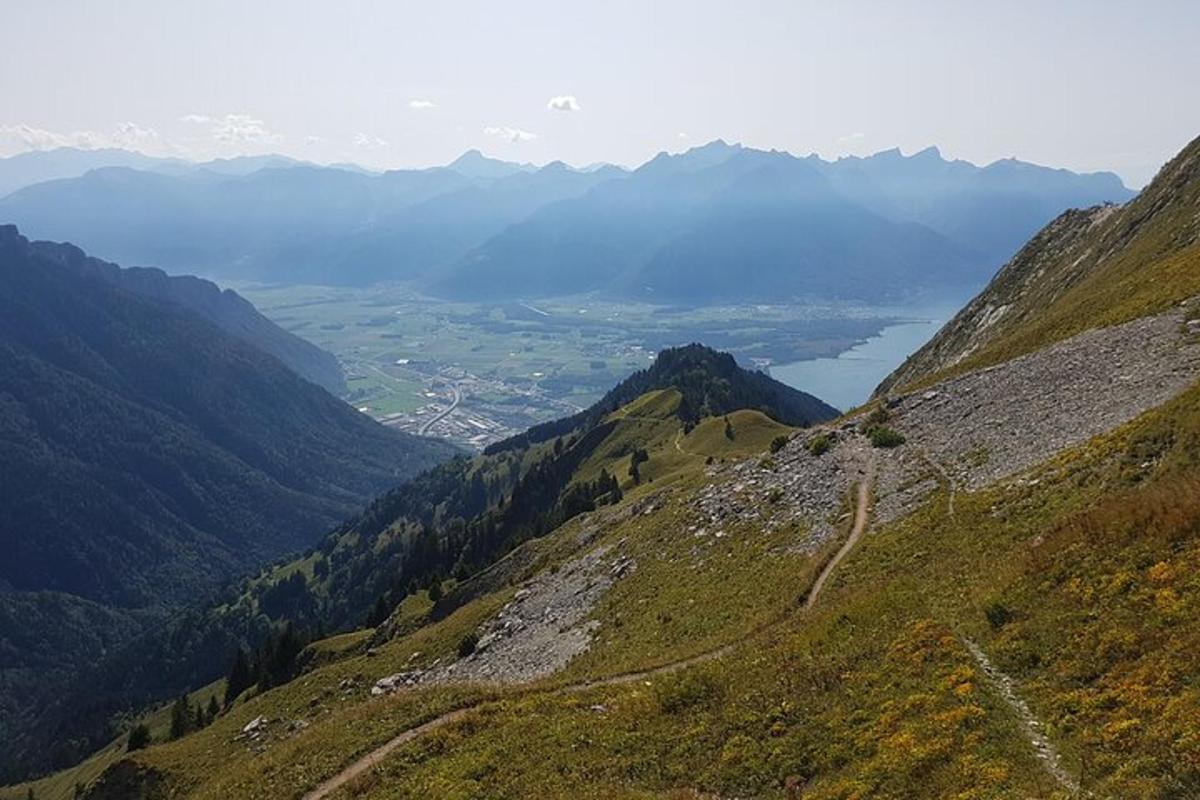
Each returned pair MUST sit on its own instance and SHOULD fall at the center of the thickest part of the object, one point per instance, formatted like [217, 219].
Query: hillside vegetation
[447, 524]
[1074, 577]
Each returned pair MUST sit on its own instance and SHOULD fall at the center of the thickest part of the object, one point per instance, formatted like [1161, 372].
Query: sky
[1087, 85]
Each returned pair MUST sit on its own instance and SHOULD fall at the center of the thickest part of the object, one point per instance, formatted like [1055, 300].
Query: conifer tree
[139, 737]
[379, 613]
[240, 677]
[181, 717]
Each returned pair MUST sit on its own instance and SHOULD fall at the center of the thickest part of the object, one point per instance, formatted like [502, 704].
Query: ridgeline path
[376, 756]
[861, 513]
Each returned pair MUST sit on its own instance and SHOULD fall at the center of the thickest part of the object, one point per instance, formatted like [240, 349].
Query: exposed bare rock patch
[792, 486]
[985, 426]
[966, 432]
[543, 627]
[993, 423]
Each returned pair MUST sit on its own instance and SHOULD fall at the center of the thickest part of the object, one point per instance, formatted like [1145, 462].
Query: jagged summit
[710, 383]
[474, 164]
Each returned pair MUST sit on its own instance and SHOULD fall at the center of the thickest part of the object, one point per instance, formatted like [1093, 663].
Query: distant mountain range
[296, 224]
[725, 222]
[38, 166]
[149, 452]
[719, 223]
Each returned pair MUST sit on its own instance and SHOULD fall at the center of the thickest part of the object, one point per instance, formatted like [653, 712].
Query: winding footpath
[951, 484]
[861, 513]
[1032, 728]
[376, 756]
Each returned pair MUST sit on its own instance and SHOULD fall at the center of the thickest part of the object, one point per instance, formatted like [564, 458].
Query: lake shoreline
[848, 379]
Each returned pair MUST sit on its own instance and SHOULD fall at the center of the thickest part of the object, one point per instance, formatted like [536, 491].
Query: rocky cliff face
[1086, 268]
[1044, 268]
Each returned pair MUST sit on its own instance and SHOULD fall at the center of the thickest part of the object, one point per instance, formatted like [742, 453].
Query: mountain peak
[474, 164]
[716, 146]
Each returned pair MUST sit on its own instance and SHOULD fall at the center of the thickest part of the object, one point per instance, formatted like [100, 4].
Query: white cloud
[127, 135]
[682, 135]
[365, 140]
[421, 105]
[132, 135]
[564, 102]
[22, 137]
[313, 139]
[852, 137]
[235, 128]
[513, 135]
[242, 128]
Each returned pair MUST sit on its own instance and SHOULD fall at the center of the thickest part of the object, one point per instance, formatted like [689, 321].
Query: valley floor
[475, 373]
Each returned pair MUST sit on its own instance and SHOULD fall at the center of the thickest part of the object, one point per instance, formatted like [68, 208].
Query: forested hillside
[229, 312]
[147, 457]
[452, 521]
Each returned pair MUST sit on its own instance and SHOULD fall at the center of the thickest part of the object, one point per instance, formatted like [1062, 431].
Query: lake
[848, 380]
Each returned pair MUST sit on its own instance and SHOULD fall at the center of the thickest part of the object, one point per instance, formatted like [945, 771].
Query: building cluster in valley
[471, 411]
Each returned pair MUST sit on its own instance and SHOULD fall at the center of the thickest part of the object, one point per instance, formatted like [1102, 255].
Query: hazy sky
[1086, 85]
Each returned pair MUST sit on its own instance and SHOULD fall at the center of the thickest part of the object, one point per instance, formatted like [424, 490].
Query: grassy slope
[875, 696]
[61, 785]
[752, 433]
[870, 695]
[646, 421]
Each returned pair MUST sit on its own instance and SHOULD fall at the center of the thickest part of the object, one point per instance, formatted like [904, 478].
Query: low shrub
[998, 615]
[467, 645]
[691, 688]
[139, 737]
[883, 436]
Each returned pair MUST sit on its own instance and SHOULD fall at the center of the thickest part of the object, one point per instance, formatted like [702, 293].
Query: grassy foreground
[1080, 581]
